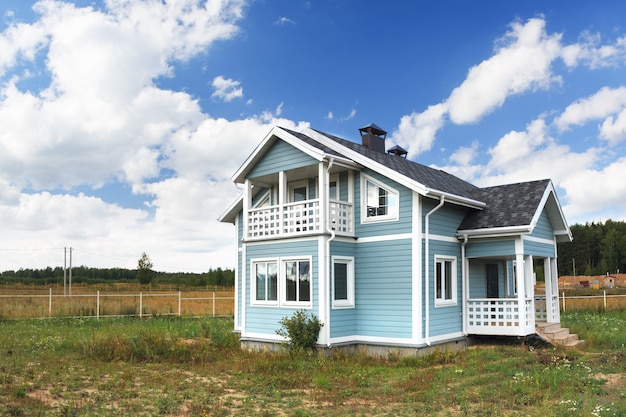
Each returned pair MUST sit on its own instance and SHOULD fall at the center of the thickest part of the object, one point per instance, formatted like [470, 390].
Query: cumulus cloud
[416, 132]
[226, 89]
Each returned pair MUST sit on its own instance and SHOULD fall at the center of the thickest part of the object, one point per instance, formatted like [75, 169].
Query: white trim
[282, 283]
[538, 240]
[292, 185]
[238, 276]
[383, 238]
[443, 302]
[244, 272]
[349, 302]
[392, 195]
[495, 231]
[441, 238]
[397, 342]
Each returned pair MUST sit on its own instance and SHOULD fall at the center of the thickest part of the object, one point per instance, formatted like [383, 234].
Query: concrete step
[557, 335]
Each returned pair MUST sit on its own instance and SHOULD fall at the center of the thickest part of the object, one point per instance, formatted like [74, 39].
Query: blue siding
[539, 249]
[383, 289]
[382, 228]
[490, 248]
[445, 221]
[445, 319]
[265, 319]
[281, 157]
[342, 321]
[543, 228]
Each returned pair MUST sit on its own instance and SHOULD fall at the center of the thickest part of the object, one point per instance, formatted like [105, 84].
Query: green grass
[194, 367]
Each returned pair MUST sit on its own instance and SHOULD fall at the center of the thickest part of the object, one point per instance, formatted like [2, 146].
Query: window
[297, 281]
[445, 281]
[266, 282]
[298, 191]
[379, 202]
[333, 188]
[343, 282]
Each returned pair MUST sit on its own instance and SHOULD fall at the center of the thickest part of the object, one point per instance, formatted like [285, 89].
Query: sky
[123, 121]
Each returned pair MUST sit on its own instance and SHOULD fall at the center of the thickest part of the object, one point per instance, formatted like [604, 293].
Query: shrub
[301, 330]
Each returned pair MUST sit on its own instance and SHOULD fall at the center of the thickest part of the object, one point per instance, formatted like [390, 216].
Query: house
[386, 252]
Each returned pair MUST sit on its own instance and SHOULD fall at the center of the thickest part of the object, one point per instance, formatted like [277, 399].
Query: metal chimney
[373, 137]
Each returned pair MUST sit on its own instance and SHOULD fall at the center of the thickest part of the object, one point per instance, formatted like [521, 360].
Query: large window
[266, 282]
[379, 202]
[445, 281]
[278, 282]
[297, 281]
[343, 282]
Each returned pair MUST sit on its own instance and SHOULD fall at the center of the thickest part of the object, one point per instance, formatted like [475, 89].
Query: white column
[555, 290]
[547, 273]
[247, 194]
[529, 290]
[282, 193]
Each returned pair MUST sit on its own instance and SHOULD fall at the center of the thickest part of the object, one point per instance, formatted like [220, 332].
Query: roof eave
[494, 231]
[453, 198]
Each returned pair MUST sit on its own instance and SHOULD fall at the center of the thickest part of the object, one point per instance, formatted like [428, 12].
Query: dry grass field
[124, 299]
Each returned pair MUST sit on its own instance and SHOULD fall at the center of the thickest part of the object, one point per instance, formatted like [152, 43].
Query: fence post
[604, 300]
[178, 303]
[98, 305]
[563, 300]
[50, 304]
[213, 304]
[140, 304]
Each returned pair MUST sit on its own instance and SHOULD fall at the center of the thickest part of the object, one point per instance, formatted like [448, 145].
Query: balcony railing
[300, 218]
[499, 317]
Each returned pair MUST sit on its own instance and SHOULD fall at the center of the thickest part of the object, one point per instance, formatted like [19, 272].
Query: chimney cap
[397, 150]
[373, 128]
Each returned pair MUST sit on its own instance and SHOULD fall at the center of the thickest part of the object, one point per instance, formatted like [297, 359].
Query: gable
[280, 157]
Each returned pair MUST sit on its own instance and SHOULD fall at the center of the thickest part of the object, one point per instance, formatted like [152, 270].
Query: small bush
[301, 330]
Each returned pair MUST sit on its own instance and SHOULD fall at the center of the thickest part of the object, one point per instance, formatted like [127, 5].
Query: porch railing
[541, 310]
[298, 218]
[499, 317]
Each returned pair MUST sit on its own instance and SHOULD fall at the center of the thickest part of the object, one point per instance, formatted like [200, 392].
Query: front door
[493, 291]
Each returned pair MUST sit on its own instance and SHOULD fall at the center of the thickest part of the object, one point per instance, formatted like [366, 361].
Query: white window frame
[349, 262]
[282, 294]
[298, 184]
[265, 200]
[334, 178]
[442, 301]
[393, 210]
[253, 283]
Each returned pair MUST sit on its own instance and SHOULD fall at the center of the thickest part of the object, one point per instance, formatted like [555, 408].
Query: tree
[144, 270]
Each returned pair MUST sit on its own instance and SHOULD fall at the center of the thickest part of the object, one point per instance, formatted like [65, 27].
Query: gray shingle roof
[432, 178]
[507, 205]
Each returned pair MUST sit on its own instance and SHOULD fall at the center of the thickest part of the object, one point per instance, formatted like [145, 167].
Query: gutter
[330, 231]
[427, 268]
[465, 283]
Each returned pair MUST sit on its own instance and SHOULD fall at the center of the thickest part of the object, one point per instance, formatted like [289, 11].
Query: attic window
[380, 202]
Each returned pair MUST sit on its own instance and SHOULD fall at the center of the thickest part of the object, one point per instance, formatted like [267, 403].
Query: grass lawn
[194, 367]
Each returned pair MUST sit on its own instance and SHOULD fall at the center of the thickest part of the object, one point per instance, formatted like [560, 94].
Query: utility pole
[64, 270]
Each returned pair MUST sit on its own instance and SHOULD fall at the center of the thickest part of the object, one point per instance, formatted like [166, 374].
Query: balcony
[298, 219]
[500, 317]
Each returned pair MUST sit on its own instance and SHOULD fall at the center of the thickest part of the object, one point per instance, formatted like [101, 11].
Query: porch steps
[557, 335]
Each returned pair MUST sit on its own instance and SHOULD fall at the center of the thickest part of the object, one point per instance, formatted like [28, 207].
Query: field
[170, 366]
[119, 299]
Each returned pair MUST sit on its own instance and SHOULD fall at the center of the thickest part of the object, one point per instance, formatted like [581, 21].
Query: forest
[84, 274]
[597, 249]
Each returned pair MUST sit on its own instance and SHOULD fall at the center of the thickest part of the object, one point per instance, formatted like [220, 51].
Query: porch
[503, 302]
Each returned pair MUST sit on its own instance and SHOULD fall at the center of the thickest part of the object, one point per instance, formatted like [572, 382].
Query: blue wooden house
[386, 252]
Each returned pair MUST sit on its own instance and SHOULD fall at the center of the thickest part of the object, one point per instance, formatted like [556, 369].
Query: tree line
[87, 275]
[597, 249]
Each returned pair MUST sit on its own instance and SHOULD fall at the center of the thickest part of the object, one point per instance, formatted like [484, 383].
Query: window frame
[253, 283]
[393, 210]
[349, 301]
[292, 186]
[443, 301]
[282, 279]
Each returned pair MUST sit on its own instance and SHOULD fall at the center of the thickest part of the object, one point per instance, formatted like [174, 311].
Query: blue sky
[121, 122]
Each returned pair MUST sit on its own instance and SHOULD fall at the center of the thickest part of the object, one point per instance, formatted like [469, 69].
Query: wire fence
[600, 302]
[106, 304]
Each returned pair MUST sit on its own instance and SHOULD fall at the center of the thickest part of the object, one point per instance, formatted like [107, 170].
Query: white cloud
[416, 132]
[226, 89]
[590, 51]
[607, 101]
[281, 21]
[522, 63]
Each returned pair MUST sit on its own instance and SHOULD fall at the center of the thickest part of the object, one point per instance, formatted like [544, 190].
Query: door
[493, 289]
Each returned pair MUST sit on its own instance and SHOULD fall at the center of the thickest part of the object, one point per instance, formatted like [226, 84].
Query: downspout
[330, 231]
[427, 268]
[465, 283]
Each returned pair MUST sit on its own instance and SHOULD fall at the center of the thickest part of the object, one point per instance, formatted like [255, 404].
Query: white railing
[541, 309]
[299, 218]
[341, 217]
[498, 317]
